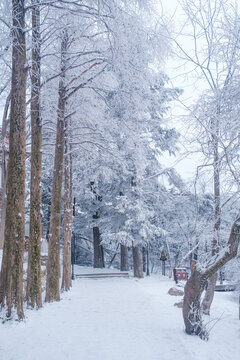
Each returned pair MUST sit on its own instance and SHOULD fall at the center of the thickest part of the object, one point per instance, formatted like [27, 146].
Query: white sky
[179, 77]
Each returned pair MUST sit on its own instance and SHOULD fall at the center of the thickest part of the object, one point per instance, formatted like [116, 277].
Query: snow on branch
[227, 253]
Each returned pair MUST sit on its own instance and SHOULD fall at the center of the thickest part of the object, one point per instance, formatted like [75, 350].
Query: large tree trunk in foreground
[34, 283]
[209, 295]
[137, 263]
[124, 258]
[53, 264]
[11, 279]
[68, 219]
[195, 284]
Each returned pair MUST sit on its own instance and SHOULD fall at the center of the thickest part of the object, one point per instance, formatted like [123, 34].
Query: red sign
[180, 274]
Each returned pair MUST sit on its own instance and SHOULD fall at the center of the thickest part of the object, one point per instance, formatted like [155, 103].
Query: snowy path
[118, 319]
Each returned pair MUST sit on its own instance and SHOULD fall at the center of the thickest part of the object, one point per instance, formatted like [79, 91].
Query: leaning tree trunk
[53, 264]
[209, 295]
[196, 283]
[124, 258]
[137, 263]
[11, 279]
[34, 283]
[68, 218]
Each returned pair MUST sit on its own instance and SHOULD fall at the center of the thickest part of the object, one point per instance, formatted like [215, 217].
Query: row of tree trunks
[53, 264]
[196, 283]
[11, 279]
[34, 284]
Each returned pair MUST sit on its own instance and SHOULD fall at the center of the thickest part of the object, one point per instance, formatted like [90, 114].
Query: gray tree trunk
[11, 278]
[34, 282]
[124, 258]
[98, 258]
[53, 264]
[144, 259]
[68, 217]
[137, 263]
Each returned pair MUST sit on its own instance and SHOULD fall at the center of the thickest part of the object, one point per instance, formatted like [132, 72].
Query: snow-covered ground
[119, 319]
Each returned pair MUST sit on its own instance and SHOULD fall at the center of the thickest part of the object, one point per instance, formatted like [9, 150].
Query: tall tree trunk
[4, 166]
[136, 252]
[137, 263]
[34, 283]
[124, 258]
[11, 279]
[209, 295]
[53, 264]
[68, 217]
[196, 283]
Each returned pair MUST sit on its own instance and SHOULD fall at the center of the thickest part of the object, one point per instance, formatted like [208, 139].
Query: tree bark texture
[53, 264]
[124, 258]
[4, 166]
[34, 283]
[196, 283]
[3, 195]
[68, 218]
[137, 263]
[11, 279]
[209, 294]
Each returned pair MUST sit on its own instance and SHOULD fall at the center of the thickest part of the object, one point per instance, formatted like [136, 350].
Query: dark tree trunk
[98, 253]
[34, 283]
[124, 258]
[53, 264]
[144, 258]
[68, 218]
[137, 263]
[196, 283]
[98, 258]
[11, 279]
